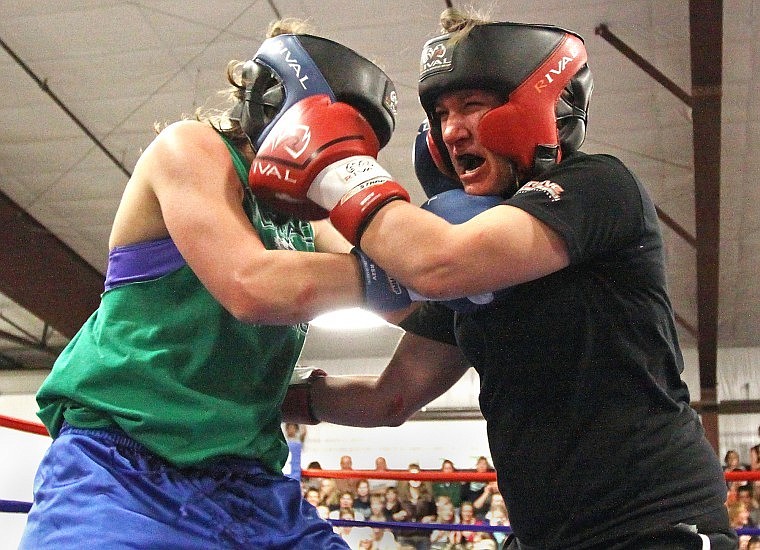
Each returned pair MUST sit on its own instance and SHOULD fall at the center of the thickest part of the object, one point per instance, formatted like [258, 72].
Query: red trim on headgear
[528, 119]
[435, 154]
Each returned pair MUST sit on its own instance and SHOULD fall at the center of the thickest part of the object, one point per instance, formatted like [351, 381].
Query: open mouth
[470, 163]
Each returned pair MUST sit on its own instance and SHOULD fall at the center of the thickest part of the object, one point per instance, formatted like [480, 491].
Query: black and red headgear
[540, 69]
[289, 67]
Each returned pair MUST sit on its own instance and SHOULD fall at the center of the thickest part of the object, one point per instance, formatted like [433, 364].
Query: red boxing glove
[310, 135]
[356, 208]
[296, 406]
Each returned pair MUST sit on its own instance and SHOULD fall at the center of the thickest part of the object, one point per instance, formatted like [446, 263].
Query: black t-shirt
[588, 418]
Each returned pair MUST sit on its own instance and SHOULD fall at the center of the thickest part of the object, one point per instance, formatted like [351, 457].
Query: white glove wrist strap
[336, 179]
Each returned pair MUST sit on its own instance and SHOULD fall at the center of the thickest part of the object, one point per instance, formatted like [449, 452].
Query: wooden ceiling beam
[706, 38]
[42, 274]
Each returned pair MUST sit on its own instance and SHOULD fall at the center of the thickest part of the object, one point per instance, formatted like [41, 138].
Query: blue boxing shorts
[101, 489]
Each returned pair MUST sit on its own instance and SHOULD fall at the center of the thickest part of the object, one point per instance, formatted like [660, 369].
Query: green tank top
[166, 363]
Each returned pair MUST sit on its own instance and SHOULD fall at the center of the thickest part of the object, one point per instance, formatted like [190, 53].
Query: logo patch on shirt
[551, 189]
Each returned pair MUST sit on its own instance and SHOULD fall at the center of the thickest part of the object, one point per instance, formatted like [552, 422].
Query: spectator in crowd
[323, 511]
[732, 462]
[499, 517]
[449, 488]
[383, 539]
[441, 539]
[404, 486]
[417, 505]
[744, 494]
[379, 485]
[483, 541]
[393, 504]
[497, 500]
[377, 509]
[466, 517]
[732, 492]
[315, 482]
[361, 498]
[754, 513]
[738, 516]
[294, 431]
[754, 454]
[484, 502]
[328, 494]
[473, 489]
[312, 496]
[346, 502]
[357, 538]
[294, 437]
[347, 484]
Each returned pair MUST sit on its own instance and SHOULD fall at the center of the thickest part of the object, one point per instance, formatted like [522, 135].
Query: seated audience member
[499, 517]
[483, 541]
[393, 504]
[452, 489]
[732, 488]
[474, 489]
[328, 494]
[357, 538]
[754, 455]
[377, 509]
[315, 482]
[496, 501]
[417, 505]
[732, 462]
[346, 503]
[347, 484]
[738, 514]
[441, 539]
[466, 517]
[744, 494]
[404, 486]
[378, 486]
[312, 496]
[483, 503]
[383, 539]
[361, 498]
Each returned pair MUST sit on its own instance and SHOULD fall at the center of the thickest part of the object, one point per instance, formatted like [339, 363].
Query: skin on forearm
[285, 287]
[356, 401]
[496, 249]
[420, 370]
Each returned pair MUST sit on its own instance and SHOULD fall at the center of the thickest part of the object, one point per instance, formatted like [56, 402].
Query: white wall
[21, 453]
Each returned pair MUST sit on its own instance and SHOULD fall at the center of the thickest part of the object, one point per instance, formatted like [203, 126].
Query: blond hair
[219, 116]
[459, 22]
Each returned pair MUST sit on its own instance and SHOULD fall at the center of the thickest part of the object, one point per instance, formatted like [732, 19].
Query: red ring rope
[434, 475]
[427, 475]
[22, 425]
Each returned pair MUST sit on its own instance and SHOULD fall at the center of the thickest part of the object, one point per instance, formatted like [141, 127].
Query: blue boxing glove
[427, 161]
[381, 291]
[384, 293]
[455, 206]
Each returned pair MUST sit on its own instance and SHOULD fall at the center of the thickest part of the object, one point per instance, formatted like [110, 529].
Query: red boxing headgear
[529, 119]
[541, 71]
